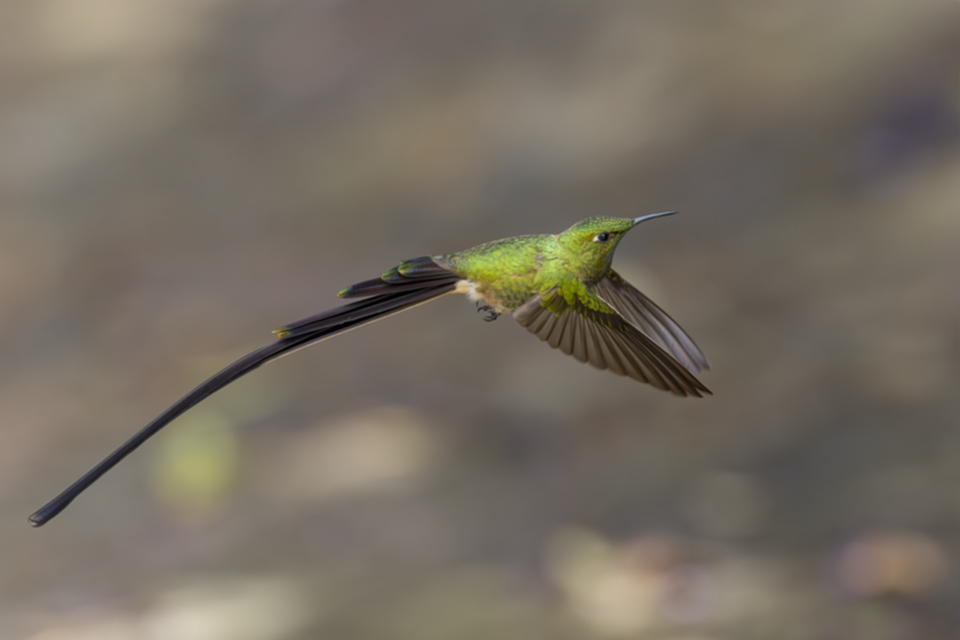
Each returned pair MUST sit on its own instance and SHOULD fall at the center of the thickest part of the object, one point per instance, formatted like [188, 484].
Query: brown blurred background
[178, 178]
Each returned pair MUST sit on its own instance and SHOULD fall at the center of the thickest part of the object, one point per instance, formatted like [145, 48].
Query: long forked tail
[413, 283]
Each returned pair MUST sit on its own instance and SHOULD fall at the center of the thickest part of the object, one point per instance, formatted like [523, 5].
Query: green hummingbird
[560, 287]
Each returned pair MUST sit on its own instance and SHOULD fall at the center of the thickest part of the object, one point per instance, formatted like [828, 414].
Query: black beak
[649, 216]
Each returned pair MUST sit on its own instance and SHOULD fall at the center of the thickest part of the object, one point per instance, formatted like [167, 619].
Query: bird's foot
[492, 313]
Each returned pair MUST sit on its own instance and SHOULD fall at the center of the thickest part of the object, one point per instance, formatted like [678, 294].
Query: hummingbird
[560, 287]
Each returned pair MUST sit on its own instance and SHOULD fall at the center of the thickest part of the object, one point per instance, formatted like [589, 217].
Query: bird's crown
[596, 235]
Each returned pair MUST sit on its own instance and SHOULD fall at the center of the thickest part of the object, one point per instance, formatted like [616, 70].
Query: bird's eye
[602, 237]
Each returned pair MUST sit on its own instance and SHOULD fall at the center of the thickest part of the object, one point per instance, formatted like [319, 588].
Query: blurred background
[179, 178]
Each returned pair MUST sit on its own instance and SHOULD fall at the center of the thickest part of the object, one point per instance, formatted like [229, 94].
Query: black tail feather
[291, 338]
[398, 298]
[407, 275]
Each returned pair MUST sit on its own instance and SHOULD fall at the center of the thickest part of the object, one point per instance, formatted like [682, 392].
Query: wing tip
[699, 391]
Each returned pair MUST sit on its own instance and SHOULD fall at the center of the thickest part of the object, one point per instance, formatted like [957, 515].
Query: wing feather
[640, 311]
[603, 338]
[579, 348]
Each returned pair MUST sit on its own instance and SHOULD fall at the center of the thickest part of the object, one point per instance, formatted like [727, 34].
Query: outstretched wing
[640, 311]
[582, 325]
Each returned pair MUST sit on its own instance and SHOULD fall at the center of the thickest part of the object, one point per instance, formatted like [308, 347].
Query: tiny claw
[493, 313]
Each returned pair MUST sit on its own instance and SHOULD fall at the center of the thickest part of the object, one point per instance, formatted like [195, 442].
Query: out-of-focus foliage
[178, 178]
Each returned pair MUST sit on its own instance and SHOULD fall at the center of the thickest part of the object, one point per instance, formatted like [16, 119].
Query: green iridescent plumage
[562, 288]
[559, 287]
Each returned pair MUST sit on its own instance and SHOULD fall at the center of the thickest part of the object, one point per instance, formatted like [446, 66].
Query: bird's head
[590, 243]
